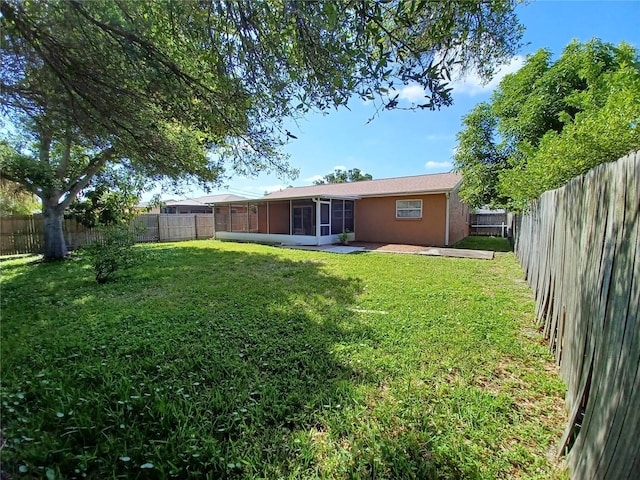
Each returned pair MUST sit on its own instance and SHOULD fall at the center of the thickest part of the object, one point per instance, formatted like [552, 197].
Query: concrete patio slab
[459, 253]
[356, 247]
[326, 248]
[343, 249]
[421, 250]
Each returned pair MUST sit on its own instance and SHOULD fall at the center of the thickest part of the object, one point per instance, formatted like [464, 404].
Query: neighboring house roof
[209, 199]
[146, 203]
[190, 202]
[434, 183]
[204, 201]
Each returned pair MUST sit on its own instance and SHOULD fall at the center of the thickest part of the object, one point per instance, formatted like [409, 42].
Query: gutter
[446, 228]
[406, 194]
[314, 197]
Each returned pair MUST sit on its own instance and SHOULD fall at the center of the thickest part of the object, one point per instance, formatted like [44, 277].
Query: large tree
[480, 155]
[343, 176]
[550, 121]
[191, 90]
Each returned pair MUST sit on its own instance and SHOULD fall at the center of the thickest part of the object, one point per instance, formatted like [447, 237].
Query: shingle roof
[204, 201]
[208, 199]
[189, 202]
[146, 203]
[434, 183]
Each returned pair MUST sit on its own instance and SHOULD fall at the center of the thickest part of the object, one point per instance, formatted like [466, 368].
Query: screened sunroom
[300, 221]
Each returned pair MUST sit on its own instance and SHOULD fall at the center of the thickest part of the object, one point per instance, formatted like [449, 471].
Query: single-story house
[418, 210]
[197, 205]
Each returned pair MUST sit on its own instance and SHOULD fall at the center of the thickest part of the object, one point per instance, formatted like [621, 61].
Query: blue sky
[399, 143]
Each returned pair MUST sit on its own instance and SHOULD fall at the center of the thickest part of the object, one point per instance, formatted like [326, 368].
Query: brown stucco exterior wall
[458, 218]
[262, 218]
[376, 221]
[278, 218]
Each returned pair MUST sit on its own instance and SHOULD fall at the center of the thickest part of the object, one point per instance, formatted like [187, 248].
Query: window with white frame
[408, 208]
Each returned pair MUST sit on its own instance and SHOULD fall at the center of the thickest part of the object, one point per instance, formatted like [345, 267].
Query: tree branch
[152, 51]
[22, 182]
[86, 175]
[45, 146]
[66, 156]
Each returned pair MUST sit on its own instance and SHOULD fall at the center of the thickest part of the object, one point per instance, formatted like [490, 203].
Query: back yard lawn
[223, 360]
[477, 242]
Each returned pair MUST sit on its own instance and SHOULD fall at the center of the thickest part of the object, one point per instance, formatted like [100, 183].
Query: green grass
[494, 244]
[223, 360]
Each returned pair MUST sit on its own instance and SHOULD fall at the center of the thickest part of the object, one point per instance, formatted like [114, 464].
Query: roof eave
[320, 195]
[404, 194]
[340, 197]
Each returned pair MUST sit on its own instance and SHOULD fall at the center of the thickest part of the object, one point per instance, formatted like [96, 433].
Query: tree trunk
[55, 246]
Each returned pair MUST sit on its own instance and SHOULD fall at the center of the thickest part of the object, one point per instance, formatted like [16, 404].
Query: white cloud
[339, 167]
[431, 165]
[471, 84]
[412, 93]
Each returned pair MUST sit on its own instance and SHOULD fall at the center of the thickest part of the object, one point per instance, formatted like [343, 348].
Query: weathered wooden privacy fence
[495, 224]
[25, 234]
[580, 248]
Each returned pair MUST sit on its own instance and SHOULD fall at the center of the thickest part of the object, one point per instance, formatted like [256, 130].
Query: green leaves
[15, 200]
[110, 198]
[187, 90]
[479, 157]
[597, 134]
[550, 122]
[343, 176]
[232, 69]
[114, 250]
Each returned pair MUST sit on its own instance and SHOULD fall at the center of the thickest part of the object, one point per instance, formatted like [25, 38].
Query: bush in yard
[114, 251]
[344, 237]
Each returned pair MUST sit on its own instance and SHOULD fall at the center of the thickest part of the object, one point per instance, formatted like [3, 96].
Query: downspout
[446, 230]
[268, 226]
[290, 217]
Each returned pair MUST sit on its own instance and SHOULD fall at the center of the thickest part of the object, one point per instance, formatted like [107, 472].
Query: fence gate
[494, 224]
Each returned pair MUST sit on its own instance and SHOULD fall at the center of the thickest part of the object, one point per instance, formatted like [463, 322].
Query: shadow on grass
[200, 362]
[19, 256]
[478, 242]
